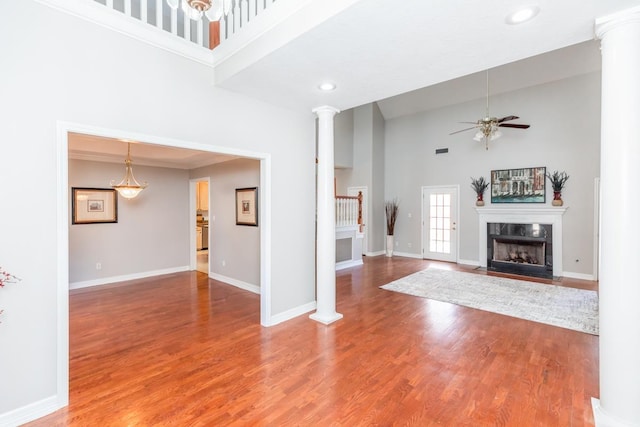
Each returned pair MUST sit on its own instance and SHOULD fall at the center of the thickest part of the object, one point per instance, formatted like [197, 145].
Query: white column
[326, 240]
[619, 289]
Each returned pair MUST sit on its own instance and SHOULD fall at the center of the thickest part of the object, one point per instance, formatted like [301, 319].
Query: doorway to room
[200, 199]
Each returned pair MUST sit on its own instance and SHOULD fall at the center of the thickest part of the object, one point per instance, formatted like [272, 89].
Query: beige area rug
[569, 308]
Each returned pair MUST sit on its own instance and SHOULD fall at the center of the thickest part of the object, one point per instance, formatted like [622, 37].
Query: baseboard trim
[125, 277]
[30, 412]
[377, 253]
[407, 255]
[602, 419]
[469, 262]
[290, 314]
[235, 282]
[348, 264]
[580, 276]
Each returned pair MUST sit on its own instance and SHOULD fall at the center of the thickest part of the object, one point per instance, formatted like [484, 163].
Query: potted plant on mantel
[479, 186]
[558, 180]
[391, 210]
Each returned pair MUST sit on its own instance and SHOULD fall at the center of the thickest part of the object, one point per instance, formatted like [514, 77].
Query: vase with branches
[479, 185]
[558, 181]
[391, 211]
[6, 277]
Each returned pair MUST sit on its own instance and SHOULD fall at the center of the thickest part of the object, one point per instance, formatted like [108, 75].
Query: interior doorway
[440, 223]
[199, 196]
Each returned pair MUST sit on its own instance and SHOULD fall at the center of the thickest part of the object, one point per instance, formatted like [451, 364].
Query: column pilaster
[326, 220]
[619, 289]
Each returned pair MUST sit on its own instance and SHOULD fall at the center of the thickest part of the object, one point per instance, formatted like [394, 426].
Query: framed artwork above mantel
[524, 185]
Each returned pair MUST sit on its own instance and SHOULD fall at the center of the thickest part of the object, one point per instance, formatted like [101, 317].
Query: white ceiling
[111, 150]
[377, 49]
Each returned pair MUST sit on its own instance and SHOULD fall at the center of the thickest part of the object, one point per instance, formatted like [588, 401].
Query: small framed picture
[93, 205]
[247, 206]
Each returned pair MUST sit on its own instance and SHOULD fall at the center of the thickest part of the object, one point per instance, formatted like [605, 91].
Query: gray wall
[564, 135]
[152, 232]
[237, 245]
[343, 139]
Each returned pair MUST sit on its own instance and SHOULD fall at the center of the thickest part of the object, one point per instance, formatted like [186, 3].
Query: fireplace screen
[522, 253]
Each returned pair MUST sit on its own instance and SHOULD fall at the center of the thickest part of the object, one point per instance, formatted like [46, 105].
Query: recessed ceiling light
[327, 86]
[522, 15]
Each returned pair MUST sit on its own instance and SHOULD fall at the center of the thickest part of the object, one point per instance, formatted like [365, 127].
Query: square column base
[324, 318]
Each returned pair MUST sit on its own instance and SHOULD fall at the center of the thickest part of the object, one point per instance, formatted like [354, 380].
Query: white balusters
[143, 11]
[237, 14]
[174, 21]
[159, 4]
[244, 12]
[347, 211]
[187, 28]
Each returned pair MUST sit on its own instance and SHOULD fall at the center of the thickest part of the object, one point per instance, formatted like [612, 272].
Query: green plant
[558, 180]
[479, 185]
[391, 210]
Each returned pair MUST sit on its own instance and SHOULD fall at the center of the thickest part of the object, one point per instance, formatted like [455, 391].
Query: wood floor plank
[185, 350]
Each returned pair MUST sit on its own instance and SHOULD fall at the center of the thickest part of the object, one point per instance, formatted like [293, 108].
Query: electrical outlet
[409, 244]
[224, 263]
[98, 266]
[397, 243]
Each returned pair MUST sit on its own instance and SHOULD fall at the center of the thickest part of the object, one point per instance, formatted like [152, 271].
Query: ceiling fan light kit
[488, 127]
[195, 9]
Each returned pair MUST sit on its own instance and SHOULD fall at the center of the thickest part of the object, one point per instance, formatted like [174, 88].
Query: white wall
[343, 139]
[564, 135]
[56, 67]
[237, 245]
[152, 232]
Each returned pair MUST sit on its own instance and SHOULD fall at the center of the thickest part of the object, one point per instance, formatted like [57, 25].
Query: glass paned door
[439, 223]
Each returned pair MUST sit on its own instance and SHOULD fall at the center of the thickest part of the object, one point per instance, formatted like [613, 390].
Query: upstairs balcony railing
[202, 32]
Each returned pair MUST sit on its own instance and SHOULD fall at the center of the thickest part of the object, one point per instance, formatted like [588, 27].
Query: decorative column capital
[615, 20]
[325, 110]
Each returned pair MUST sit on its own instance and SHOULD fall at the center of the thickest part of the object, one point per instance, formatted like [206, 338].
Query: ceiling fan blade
[463, 130]
[514, 125]
[471, 123]
[508, 118]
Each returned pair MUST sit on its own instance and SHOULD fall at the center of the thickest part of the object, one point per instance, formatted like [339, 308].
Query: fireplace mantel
[523, 215]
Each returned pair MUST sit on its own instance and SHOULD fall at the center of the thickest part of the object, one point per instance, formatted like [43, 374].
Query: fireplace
[520, 249]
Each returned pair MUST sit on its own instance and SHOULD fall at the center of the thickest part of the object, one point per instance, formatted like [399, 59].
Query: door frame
[193, 251]
[63, 129]
[423, 244]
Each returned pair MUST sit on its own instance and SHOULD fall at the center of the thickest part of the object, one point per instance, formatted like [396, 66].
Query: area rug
[569, 308]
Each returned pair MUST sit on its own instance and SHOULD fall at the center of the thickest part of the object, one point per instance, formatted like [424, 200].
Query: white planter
[389, 246]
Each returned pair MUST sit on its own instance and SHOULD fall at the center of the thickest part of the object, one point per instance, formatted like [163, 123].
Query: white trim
[126, 277]
[97, 13]
[62, 143]
[376, 253]
[290, 314]
[407, 255]
[581, 276]
[62, 276]
[348, 264]
[602, 419]
[32, 411]
[522, 215]
[474, 263]
[235, 282]
[596, 228]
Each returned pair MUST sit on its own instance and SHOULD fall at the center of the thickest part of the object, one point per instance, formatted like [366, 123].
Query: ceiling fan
[488, 127]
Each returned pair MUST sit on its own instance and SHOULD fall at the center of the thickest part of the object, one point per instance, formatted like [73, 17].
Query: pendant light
[128, 188]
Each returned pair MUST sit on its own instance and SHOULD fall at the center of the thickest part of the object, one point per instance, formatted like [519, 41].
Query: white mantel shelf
[522, 215]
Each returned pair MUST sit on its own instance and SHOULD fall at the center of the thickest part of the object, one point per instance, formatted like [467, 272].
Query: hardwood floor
[184, 350]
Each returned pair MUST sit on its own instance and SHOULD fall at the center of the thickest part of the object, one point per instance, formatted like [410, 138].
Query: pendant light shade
[129, 187]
